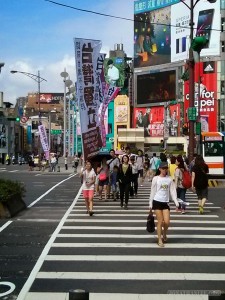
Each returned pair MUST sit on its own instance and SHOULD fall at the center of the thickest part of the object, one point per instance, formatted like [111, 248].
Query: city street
[54, 246]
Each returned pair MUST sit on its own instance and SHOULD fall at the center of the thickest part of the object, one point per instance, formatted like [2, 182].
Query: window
[213, 148]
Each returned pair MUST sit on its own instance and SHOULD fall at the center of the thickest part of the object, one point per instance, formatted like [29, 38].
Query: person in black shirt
[200, 181]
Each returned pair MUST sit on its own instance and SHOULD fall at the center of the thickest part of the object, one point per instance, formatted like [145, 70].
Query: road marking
[88, 220]
[5, 225]
[113, 296]
[10, 285]
[134, 245]
[144, 215]
[141, 228]
[131, 276]
[46, 193]
[138, 236]
[24, 291]
[133, 258]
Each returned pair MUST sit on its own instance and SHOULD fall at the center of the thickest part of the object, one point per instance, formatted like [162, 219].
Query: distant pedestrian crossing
[10, 171]
[112, 253]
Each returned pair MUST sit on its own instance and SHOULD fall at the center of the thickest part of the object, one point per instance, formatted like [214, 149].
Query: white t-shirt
[88, 177]
[140, 161]
[134, 168]
[162, 188]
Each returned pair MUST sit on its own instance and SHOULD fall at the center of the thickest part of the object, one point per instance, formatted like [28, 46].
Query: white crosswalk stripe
[112, 253]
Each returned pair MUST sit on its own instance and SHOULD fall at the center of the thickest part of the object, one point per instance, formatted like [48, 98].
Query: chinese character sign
[87, 57]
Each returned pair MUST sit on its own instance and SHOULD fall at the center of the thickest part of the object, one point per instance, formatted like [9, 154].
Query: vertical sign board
[87, 54]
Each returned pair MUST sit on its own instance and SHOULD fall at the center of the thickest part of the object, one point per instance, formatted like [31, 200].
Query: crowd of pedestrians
[120, 177]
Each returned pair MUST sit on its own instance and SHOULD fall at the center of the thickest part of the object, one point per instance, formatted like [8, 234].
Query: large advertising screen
[206, 84]
[156, 87]
[152, 120]
[156, 24]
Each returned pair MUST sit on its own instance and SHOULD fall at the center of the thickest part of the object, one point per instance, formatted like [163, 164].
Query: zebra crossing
[10, 171]
[111, 253]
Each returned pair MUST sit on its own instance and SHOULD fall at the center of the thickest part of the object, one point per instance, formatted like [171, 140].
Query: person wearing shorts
[162, 188]
[88, 186]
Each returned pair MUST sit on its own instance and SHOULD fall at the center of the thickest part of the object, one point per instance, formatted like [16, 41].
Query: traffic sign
[56, 131]
[192, 113]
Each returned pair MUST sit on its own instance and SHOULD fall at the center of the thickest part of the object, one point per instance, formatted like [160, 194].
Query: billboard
[152, 120]
[51, 98]
[206, 84]
[155, 24]
[156, 87]
[207, 20]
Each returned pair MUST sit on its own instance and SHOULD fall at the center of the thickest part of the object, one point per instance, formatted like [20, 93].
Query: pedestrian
[114, 182]
[114, 161]
[66, 162]
[88, 177]
[154, 163]
[162, 188]
[134, 177]
[53, 162]
[181, 190]
[199, 180]
[76, 162]
[140, 159]
[146, 169]
[172, 167]
[124, 178]
[103, 178]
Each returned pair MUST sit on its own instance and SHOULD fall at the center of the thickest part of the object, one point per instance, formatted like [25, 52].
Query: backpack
[186, 179]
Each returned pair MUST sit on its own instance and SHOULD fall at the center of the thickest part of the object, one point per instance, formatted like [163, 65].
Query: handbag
[102, 176]
[150, 226]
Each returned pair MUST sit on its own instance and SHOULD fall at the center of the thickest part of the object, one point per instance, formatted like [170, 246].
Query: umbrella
[99, 157]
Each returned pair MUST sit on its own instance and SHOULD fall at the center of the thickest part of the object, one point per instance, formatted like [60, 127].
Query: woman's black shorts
[160, 205]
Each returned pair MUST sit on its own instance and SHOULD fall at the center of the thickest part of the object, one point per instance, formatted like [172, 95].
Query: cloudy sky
[38, 35]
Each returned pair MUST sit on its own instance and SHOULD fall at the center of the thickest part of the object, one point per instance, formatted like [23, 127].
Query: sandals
[160, 244]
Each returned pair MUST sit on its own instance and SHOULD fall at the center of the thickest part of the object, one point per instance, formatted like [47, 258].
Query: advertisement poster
[86, 55]
[153, 120]
[207, 20]
[206, 83]
[121, 109]
[156, 22]
[44, 140]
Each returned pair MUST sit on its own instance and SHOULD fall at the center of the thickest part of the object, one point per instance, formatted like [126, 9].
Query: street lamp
[191, 76]
[67, 83]
[38, 79]
[1, 65]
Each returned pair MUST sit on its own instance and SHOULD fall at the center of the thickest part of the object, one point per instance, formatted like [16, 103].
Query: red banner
[152, 119]
[206, 83]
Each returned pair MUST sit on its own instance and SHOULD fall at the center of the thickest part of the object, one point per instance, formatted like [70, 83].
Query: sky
[38, 35]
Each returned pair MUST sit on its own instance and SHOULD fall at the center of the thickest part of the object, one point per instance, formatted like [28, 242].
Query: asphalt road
[22, 238]
[54, 246]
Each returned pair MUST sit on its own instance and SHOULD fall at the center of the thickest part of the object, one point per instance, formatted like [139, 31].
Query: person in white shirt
[154, 161]
[140, 159]
[88, 185]
[113, 73]
[114, 161]
[162, 188]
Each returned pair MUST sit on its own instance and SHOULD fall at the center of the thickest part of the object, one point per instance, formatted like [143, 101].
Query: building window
[222, 4]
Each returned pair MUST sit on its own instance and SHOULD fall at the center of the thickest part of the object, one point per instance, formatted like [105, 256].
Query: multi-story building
[161, 61]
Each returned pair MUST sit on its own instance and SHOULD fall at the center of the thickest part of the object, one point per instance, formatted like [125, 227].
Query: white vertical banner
[44, 140]
[87, 54]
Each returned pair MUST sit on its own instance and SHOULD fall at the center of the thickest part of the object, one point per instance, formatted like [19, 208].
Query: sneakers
[91, 213]
[121, 204]
[201, 210]
[125, 206]
[183, 212]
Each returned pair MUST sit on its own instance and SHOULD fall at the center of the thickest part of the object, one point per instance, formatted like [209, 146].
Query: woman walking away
[88, 186]
[199, 181]
[103, 179]
[162, 188]
[181, 190]
[124, 178]
[172, 167]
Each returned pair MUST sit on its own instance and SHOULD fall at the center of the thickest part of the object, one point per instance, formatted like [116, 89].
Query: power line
[116, 17]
